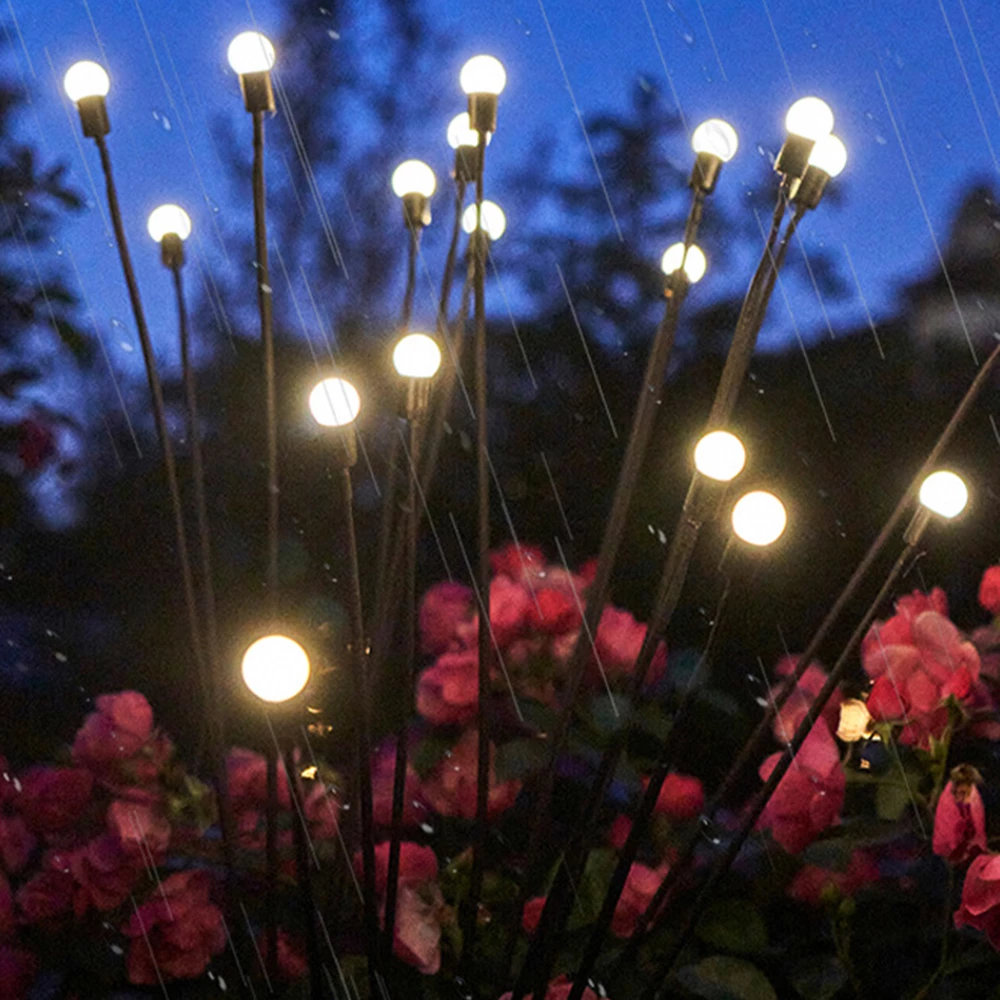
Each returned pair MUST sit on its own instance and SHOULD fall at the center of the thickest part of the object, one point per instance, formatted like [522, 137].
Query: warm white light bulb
[413, 177]
[169, 220]
[716, 137]
[483, 75]
[461, 132]
[694, 263]
[417, 356]
[250, 52]
[810, 118]
[275, 668]
[334, 402]
[944, 493]
[86, 79]
[720, 456]
[829, 155]
[759, 518]
[494, 220]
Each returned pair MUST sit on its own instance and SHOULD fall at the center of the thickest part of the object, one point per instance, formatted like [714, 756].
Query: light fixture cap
[829, 155]
[944, 493]
[716, 137]
[413, 177]
[809, 117]
[417, 356]
[86, 79]
[251, 52]
[167, 220]
[334, 402]
[483, 75]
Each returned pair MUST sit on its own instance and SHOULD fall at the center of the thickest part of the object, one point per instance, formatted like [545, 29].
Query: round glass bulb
[810, 118]
[167, 220]
[461, 132]
[720, 456]
[413, 177]
[417, 356]
[494, 220]
[334, 402]
[716, 137]
[944, 493]
[483, 75]
[86, 79]
[695, 263]
[250, 52]
[275, 668]
[759, 518]
[829, 155]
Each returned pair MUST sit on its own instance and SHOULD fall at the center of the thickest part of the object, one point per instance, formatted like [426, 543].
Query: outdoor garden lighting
[826, 161]
[944, 493]
[413, 182]
[720, 455]
[693, 262]
[715, 143]
[759, 518]
[464, 139]
[483, 79]
[494, 220]
[417, 356]
[170, 226]
[87, 84]
[275, 668]
[334, 402]
[807, 121]
[251, 56]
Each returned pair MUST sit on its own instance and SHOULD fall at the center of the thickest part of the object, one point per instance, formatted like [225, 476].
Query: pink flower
[292, 961]
[898, 629]
[383, 773]
[16, 843]
[560, 989]
[18, 969]
[960, 818]
[532, 913]
[914, 678]
[510, 607]
[52, 799]
[247, 773]
[118, 731]
[788, 720]
[46, 897]
[619, 832]
[6, 908]
[809, 797]
[555, 610]
[517, 561]
[989, 591]
[680, 798]
[8, 790]
[444, 610]
[416, 865]
[105, 874]
[139, 826]
[448, 690]
[640, 887]
[618, 642]
[322, 811]
[813, 884]
[450, 790]
[980, 906]
[176, 932]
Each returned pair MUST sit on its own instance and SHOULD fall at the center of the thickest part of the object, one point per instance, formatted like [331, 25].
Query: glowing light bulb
[250, 52]
[494, 220]
[334, 402]
[720, 456]
[810, 118]
[759, 518]
[461, 132]
[945, 493]
[695, 263]
[716, 137]
[169, 220]
[483, 75]
[417, 356]
[275, 668]
[413, 177]
[829, 155]
[86, 79]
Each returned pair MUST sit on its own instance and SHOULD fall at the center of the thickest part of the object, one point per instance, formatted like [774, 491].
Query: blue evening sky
[723, 57]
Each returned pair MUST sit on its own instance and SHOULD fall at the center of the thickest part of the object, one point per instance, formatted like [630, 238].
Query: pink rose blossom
[46, 897]
[788, 720]
[619, 832]
[555, 610]
[518, 561]
[451, 788]
[960, 818]
[812, 883]
[640, 887]
[444, 610]
[383, 773]
[6, 908]
[560, 989]
[53, 799]
[809, 797]
[247, 772]
[292, 961]
[176, 933]
[448, 690]
[532, 913]
[105, 874]
[417, 865]
[118, 743]
[980, 906]
[510, 607]
[681, 797]
[139, 827]
[16, 843]
[989, 591]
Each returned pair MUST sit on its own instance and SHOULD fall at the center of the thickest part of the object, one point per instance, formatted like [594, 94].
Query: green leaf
[653, 720]
[518, 758]
[820, 977]
[593, 885]
[429, 752]
[723, 978]
[610, 712]
[733, 925]
[891, 800]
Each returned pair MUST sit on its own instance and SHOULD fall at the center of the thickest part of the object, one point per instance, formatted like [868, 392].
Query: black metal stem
[264, 306]
[760, 800]
[271, 861]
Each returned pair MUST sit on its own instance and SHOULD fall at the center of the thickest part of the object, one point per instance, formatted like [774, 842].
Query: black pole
[264, 306]
[271, 860]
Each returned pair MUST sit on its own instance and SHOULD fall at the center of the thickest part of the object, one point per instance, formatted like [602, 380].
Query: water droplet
[333, 34]
[164, 121]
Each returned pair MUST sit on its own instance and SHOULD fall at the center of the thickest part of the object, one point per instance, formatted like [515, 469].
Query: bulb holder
[416, 210]
[793, 159]
[344, 445]
[94, 116]
[466, 158]
[418, 394]
[172, 251]
[920, 523]
[676, 286]
[705, 173]
[258, 94]
[808, 192]
[483, 112]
